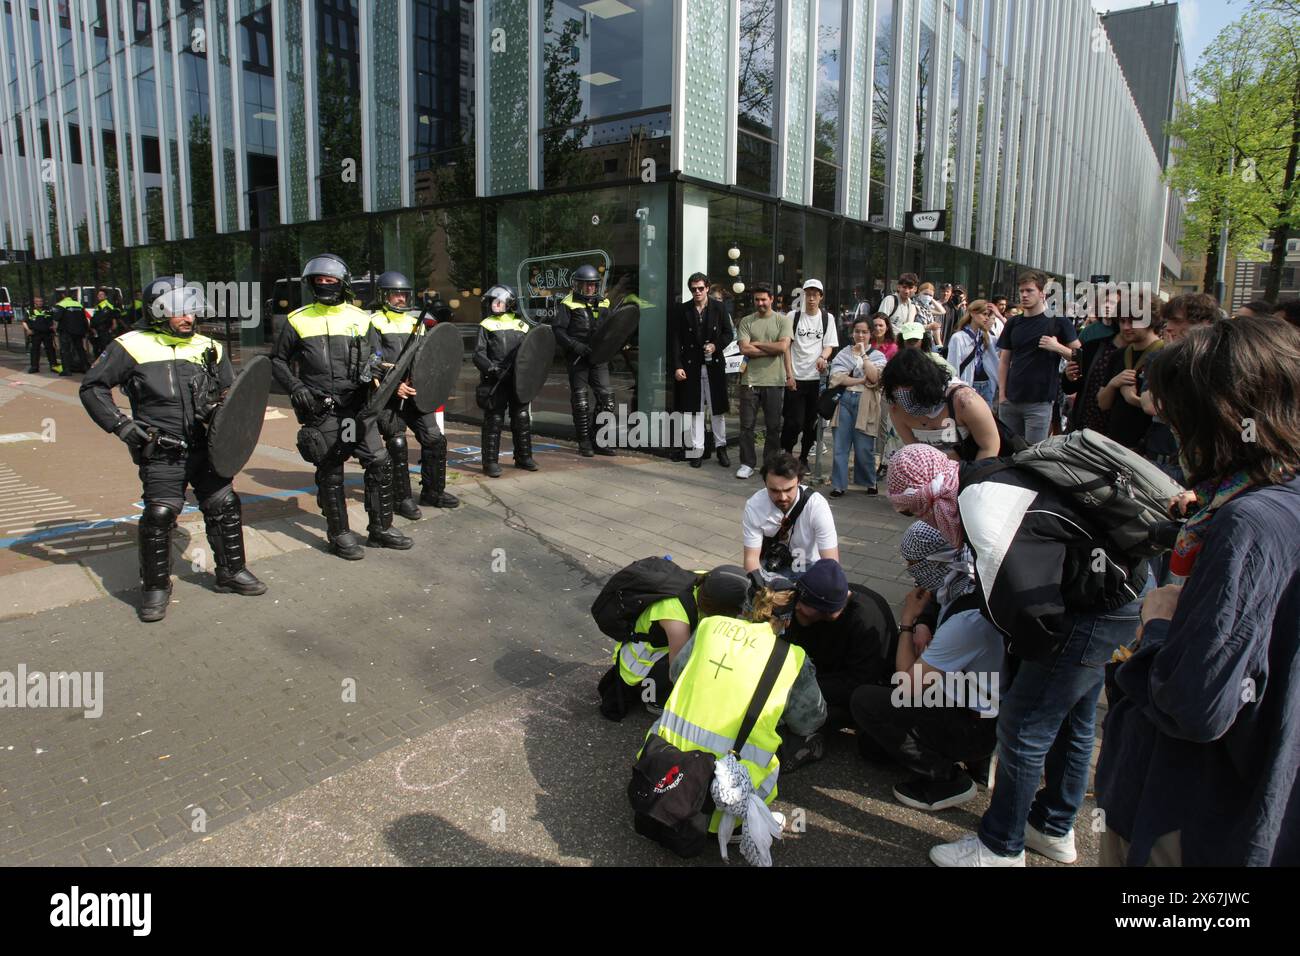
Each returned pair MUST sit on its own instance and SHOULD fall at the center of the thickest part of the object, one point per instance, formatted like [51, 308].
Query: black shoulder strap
[787, 525]
[775, 661]
[968, 359]
[826, 321]
[691, 607]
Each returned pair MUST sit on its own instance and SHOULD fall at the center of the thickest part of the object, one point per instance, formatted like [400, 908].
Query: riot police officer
[392, 327]
[73, 327]
[576, 318]
[174, 379]
[327, 341]
[104, 323]
[499, 336]
[39, 326]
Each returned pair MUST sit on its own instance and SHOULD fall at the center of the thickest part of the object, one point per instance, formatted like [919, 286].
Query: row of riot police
[68, 323]
[351, 377]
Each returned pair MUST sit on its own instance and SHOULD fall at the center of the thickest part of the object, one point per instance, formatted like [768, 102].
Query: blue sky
[1201, 20]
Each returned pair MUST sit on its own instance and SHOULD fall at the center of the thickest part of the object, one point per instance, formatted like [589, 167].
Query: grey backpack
[1123, 494]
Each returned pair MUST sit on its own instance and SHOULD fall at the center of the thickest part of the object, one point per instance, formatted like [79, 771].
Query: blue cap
[824, 587]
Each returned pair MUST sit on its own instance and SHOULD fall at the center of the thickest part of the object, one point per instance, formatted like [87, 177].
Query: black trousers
[799, 416]
[349, 434]
[582, 376]
[42, 340]
[165, 476]
[926, 740]
[395, 422]
[73, 349]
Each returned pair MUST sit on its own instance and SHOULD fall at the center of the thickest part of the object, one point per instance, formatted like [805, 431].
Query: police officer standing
[327, 342]
[39, 326]
[103, 325]
[174, 379]
[499, 336]
[576, 318]
[392, 327]
[73, 329]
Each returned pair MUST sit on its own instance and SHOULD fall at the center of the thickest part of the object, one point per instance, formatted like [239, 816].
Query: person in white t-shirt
[900, 308]
[815, 338]
[787, 526]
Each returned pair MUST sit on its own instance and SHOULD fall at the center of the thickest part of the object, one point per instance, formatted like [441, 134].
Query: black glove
[304, 402]
[133, 433]
[581, 349]
[492, 374]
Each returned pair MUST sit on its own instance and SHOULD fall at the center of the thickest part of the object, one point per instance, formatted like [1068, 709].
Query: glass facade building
[468, 142]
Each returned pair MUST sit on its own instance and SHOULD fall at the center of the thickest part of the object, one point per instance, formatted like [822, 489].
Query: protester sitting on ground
[973, 350]
[882, 337]
[945, 643]
[787, 526]
[1065, 600]
[640, 668]
[1121, 397]
[928, 406]
[1200, 758]
[715, 677]
[856, 420]
[914, 336]
[850, 636]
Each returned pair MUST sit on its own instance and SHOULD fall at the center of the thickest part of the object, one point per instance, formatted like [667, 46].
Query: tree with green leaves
[1235, 142]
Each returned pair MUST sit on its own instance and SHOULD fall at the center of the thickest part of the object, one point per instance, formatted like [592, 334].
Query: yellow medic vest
[636, 658]
[709, 700]
[317, 319]
[147, 347]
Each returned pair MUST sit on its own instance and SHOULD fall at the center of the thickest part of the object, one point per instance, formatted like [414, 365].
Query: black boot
[521, 429]
[723, 458]
[334, 506]
[492, 422]
[155, 542]
[433, 479]
[600, 449]
[582, 429]
[379, 505]
[224, 523]
[404, 504]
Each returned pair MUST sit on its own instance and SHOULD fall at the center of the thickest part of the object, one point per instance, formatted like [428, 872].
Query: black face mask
[326, 294]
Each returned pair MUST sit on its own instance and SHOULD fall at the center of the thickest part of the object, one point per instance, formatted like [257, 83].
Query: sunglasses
[699, 288]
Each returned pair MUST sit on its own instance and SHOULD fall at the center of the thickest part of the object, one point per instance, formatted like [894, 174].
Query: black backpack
[633, 589]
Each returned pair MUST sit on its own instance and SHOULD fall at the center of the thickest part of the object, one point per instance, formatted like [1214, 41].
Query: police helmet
[327, 264]
[584, 274]
[394, 281]
[499, 293]
[167, 297]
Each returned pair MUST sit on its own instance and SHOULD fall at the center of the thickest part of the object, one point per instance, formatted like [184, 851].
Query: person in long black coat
[698, 331]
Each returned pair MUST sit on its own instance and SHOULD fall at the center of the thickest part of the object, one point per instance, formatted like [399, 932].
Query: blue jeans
[1046, 727]
[864, 447]
[1032, 421]
[988, 390]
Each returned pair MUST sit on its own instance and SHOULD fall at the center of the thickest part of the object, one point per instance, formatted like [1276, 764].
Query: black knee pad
[332, 478]
[219, 500]
[381, 468]
[397, 446]
[159, 515]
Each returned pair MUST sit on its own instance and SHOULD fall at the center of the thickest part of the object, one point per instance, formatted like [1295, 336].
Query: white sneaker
[1061, 849]
[744, 471]
[971, 851]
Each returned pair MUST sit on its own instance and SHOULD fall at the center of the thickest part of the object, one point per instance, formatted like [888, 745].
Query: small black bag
[829, 400]
[312, 445]
[637, 586]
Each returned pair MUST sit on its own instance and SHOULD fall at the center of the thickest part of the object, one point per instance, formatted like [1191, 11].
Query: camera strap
[783, 532]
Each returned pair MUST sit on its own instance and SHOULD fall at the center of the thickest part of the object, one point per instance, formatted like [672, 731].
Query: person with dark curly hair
[930, 407]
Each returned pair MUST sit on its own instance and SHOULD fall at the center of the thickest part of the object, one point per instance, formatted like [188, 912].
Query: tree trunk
[1212, 254]
[1280, 230]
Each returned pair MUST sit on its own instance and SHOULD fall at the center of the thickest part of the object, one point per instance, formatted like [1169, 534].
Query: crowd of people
[1032, 590]
[68, 332]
